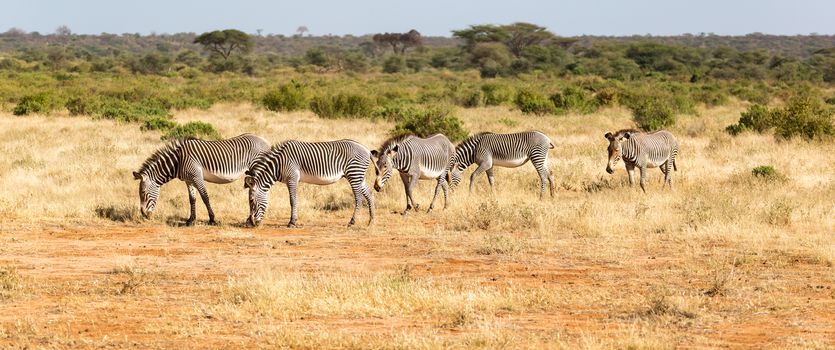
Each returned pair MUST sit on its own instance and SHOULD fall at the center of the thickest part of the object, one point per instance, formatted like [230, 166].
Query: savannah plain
[724, 259]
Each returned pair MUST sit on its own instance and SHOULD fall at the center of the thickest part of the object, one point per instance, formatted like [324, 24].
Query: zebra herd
[195, 161]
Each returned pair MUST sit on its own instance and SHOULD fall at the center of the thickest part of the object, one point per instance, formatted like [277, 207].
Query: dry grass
[725, 259]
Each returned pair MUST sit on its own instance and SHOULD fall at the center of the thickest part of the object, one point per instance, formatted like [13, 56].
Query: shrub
[607, 97]
[158, 123]
[530, 102]
[394, 64]
[38, 103]
[83, 106]
[187, 102]
[765, 171]
[131, 112]
[806, 116]
[757, 118]
[652, 114]
[710, 95]
[341, 106]
[575, 99]
[473, 99]
[427, 121]
[289, 97]
[193, 129]
[495, 94]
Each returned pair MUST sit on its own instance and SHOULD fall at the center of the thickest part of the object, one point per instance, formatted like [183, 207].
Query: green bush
[473, 99]
[757, 118]
[342, 106]
[607, 97]
[199, 130]
[158, 123]
[394, 64]
[496, 94]
[530, 102]
[805, 115]
[131, 112]
[83, 106]
[288, 97]
[575, 99]
[653, 114]
[37, 103]
[427, 121]
[710, 95]
[187, 102]
[765, 171]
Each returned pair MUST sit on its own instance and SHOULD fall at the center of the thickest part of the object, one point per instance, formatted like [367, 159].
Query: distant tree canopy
[225, 42]
[399, 42]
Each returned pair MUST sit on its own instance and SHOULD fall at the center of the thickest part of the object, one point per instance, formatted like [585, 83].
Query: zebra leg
[490, 180]
[445, 187]
[552, 182]
[360, 189]
[480, 169]
[405, 178]
[192, 201]
[643, 170]
[668, 176]
[201, 188]
[544, 175]
[630, 170]
[437, 190]
[413, 179]
[292, 187]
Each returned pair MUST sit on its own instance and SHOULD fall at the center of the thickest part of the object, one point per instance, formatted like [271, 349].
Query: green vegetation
[342, 106]
[37, 103]
[425, 121]
[805, 115]
[288, 97]
[199, 130]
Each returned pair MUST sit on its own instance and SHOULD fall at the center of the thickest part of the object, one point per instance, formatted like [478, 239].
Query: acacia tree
[225, 42]
[399, 42]
[523, 35]
[482, 33]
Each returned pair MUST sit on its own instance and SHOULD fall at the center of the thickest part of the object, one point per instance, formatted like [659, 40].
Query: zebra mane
[621, 132]
[394, 141]
[171, 147]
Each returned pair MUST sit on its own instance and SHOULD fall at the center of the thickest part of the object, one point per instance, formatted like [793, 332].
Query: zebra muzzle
[609, 170]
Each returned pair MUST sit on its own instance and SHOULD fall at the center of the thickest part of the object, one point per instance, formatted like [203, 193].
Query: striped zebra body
[321, 163]
[195, 162]
[487, 150]
[643, 150]
[414, 158]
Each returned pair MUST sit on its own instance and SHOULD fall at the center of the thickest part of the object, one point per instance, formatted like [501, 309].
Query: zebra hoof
[213, 223]
[190, 222]
[429, 210]
[292, 225]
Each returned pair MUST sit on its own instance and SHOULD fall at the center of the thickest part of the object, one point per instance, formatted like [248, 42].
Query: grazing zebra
[320, 163]
[415, 158]
[505, 150]
[644, 150]
[194, 161]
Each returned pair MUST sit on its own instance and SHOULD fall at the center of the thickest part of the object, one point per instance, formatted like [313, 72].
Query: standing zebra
[505, 150]
[415, 158]
[644, 150]
[320, 163]
[194, 161]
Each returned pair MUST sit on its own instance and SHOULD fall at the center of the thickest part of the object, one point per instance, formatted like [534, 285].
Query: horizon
[432, 18]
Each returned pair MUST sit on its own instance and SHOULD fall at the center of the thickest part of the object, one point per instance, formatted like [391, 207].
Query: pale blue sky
[430, 17]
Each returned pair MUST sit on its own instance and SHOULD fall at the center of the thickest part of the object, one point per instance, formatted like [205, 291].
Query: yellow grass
[724, 259]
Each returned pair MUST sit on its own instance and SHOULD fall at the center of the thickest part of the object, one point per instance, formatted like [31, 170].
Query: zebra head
[258, 198]
[383, 166]
[456, 167]
[615, 149]
[148, 193]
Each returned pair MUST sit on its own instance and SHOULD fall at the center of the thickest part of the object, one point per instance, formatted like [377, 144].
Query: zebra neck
[629, 151]
[402, 160]
[464, 155]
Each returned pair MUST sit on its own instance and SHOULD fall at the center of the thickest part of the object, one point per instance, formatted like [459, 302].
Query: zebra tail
[550, 145]
[675, 168]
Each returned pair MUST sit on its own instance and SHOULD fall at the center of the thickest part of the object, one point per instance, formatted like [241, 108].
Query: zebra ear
[374, 153]
[249, 181]
[627, 135]
[394, 150]
[137, 176]
[608, 136]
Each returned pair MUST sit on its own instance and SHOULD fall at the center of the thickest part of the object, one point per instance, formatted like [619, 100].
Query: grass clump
[342, 106]
[10, 283]
[288, 97]
[426, 121]
[199, 130]
[530, 102]
[37, 103]
[118, 213]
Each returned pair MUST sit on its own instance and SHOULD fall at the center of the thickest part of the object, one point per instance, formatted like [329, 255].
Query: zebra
[195, 161]
[487, 149]
[415, 158]
[643, 150]
[320, 163]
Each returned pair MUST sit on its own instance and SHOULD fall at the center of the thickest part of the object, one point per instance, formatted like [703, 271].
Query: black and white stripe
[487, 150]
[320, 163]
[195, 161]
[643, 150]
[415, 158]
